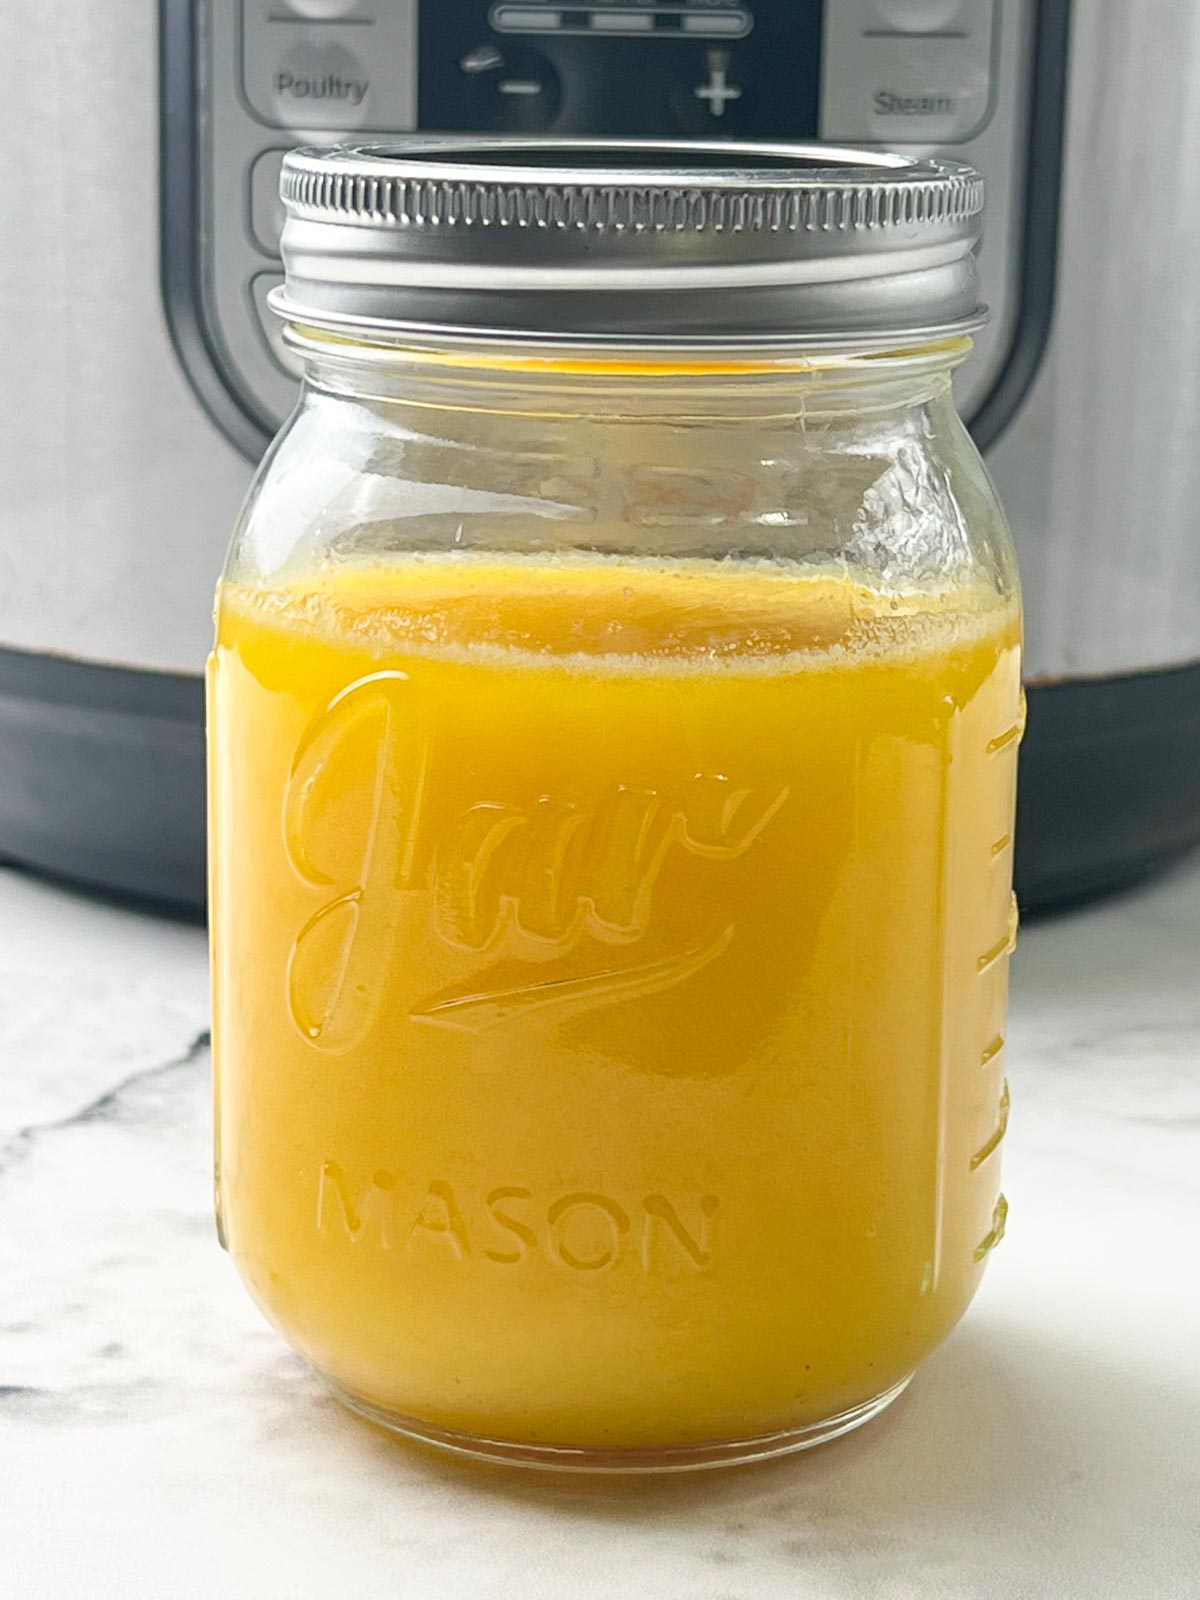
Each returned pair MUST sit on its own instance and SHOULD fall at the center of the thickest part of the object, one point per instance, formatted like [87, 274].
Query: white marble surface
[156, 1440]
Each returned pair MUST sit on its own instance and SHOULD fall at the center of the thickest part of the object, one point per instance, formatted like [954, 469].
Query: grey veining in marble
[158, 1440]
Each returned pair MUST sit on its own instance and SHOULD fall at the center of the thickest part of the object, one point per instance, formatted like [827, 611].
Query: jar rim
[659, 243]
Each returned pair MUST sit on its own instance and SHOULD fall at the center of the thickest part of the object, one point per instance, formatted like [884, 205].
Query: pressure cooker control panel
[245, 80]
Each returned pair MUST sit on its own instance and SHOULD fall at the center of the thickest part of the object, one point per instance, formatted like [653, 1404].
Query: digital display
[622, 69]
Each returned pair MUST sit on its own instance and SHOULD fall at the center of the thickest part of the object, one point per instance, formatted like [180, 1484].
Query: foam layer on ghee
[598, 614]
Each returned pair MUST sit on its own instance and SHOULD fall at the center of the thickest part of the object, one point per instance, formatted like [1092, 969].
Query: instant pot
[145, 375]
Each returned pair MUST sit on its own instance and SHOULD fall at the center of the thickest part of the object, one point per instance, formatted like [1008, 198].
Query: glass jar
[614, 717]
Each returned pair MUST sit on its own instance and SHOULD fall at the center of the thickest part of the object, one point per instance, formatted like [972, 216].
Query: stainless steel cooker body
[140, 227]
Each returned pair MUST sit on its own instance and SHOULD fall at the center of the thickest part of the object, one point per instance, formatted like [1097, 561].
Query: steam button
[919, 16]
[321, 10]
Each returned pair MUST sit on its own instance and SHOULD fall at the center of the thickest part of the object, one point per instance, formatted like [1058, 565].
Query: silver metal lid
[619, 242]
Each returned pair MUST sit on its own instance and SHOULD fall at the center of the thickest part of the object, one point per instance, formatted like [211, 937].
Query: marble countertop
[157, 1440]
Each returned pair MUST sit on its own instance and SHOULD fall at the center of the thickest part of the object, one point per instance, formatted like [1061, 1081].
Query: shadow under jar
[614, 717]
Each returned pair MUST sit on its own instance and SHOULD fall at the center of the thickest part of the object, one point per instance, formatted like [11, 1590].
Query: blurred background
[139, 162]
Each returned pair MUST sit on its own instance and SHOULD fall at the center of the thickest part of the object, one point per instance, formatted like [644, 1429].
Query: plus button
[718, 91]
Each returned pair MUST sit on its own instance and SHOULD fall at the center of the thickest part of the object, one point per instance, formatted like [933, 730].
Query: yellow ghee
[610, 972]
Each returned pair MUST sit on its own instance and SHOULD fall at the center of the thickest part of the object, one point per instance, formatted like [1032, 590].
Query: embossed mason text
[582, 1230]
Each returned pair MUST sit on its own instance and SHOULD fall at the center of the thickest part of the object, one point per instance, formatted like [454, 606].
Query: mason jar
[614, 719]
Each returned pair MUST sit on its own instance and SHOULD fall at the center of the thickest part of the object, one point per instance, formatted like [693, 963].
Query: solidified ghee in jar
[610, 967]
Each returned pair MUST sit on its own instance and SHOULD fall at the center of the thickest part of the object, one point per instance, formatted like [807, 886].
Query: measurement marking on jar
[993, 1144]
[991, 1050]
[1003, 740]
[1010, 736]
[996, 1232]
[998, 951]
[1003, 947]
